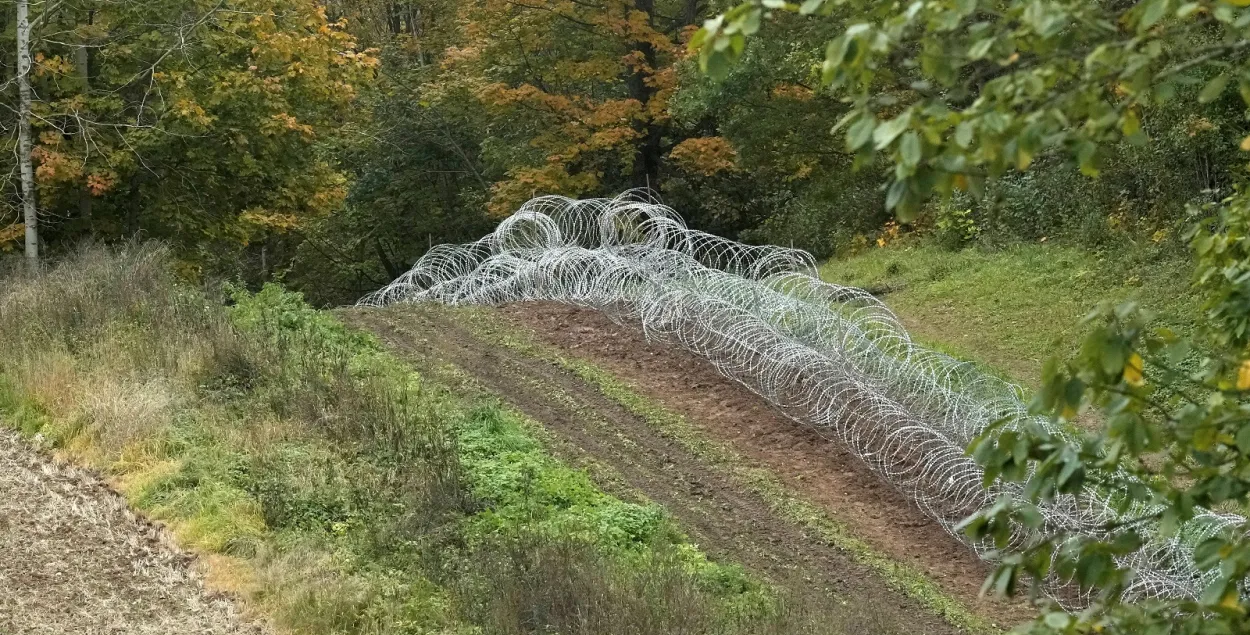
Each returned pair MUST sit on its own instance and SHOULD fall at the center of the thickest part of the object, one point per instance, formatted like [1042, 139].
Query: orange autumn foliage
[554, 69]
[706, 155]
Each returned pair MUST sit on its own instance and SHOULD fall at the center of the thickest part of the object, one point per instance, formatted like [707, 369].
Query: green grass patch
[1011, 309]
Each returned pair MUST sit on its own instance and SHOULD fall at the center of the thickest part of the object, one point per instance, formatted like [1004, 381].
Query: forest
[328, 146]
[808, 256]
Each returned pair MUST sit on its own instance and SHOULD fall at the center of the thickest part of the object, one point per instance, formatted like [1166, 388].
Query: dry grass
[121, 411]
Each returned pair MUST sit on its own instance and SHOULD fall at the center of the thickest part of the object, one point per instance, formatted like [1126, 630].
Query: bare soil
[75, 560]
[726, 519]
[820, 469]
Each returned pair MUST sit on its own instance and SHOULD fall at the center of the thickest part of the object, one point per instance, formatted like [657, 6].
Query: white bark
[23, 134]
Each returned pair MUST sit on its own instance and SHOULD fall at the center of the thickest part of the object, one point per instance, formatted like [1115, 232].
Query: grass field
[337, 488]
[1012, 308]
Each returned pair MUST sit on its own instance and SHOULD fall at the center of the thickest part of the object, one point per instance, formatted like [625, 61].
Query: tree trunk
[82, 67]
[689, 14]
[132, 224]
[648, 153]
[23, 135]
[393, 19]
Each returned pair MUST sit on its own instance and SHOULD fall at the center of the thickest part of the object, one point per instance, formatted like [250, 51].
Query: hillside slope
[1011, 309]
[747, 483]
[337, 487]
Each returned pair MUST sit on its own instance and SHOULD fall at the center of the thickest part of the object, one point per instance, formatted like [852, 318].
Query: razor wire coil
[831, 357]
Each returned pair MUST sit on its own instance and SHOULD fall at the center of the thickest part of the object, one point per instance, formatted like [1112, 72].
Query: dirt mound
[74, 559]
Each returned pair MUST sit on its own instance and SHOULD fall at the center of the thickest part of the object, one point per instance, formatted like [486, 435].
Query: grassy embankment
[334, 487]
[1011, 309]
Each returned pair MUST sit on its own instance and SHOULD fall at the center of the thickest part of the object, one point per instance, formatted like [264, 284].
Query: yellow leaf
[1232, 599]
[1245, 143]
[1133, 369]
[10, 234]
[1243, 373]
[1025, 159]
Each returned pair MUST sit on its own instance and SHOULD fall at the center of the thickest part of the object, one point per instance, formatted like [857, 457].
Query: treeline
[329, 145]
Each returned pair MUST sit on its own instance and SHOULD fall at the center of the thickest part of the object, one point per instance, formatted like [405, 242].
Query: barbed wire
[831, 357]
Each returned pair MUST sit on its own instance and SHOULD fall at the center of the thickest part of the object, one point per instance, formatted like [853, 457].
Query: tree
[417, 177]
[958, 93]
[479, 106]
[786, 183]
[31, 222]
[579, 90]
[203, 123]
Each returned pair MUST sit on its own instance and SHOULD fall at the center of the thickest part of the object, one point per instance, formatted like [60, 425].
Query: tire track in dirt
[75, 560]
[822, 470]
[724, 518]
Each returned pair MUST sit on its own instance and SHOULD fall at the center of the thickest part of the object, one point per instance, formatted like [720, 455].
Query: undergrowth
[332, 486]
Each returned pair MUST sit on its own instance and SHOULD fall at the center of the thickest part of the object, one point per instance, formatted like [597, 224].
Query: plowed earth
[725, 518]
[75, 560]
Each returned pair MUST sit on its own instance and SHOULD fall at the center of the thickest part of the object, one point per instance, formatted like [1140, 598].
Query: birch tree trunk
[82, 67]
[23, 135]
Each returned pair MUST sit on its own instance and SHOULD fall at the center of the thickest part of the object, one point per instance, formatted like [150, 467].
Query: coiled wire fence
[830, 357]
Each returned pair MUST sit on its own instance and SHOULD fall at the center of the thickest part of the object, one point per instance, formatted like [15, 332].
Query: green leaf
[910, 149]
[963, 134]
[895, 193]
[716, 65]
[1006, 581]
[1243, 439]
[1215, 592]
[1152, 12]
[1057, 620]
[1090, 569]
[1030, 516]
[1020, 452]
[1130, 124]
[699, 39]
[1213, 89]
[886, 133]
[980, 49]
[751, 23]
[1243, 88]
[906, 210]
[1087, 154]
[1127, 542]
[1113, 357]
[860, 133]
[1203, 244]
[1207, 553]
[1024, 159]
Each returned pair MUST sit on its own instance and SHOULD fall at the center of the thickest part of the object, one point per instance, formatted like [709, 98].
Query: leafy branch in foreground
[1181, 428]
[958, 92]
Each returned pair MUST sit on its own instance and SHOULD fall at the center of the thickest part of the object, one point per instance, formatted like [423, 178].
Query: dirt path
[822, 470]
[75, 560]
[724, 518]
